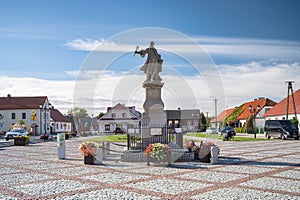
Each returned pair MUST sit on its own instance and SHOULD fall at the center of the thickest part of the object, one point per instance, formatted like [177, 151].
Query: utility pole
[215, 100]
[290, 88]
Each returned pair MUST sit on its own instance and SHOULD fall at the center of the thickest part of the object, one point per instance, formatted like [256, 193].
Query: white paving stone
[21, 178]
[115, 177]
[241, 193]
[275, 184]
[212, 176]
[245, 169]
[168, 186]
[108, 193]
[51, 187]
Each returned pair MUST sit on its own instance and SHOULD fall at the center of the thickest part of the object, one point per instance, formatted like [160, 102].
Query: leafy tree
[203, 118]
[21, 122]
[78, 112]
[100, 115]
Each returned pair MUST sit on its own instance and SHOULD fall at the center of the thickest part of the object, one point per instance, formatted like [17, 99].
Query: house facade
[119, 116]
[33, 111]
[187, 119]
[59, 122]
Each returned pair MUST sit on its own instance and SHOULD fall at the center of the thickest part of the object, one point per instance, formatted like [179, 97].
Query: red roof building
[222, 116]
[258, 108]
[33, 111]
[264, 104]
[279, 110]
[59, 122]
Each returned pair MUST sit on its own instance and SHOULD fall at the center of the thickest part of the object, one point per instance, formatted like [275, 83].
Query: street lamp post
[45, 120]
[253, 112]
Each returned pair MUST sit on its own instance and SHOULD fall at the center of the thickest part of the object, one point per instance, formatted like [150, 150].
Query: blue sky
[43, 44]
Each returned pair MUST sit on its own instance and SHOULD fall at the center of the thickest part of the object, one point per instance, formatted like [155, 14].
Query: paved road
[246, 170]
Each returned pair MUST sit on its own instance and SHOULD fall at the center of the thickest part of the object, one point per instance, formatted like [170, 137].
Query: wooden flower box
[89, 160]
[20, 141]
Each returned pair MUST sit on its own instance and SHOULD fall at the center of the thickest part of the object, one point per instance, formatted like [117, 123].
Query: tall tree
[78, 112]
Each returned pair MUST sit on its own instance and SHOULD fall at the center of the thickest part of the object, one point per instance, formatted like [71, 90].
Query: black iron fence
[140, 138]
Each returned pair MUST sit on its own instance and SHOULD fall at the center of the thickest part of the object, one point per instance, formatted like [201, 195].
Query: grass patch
[109, 138]
[219, 137]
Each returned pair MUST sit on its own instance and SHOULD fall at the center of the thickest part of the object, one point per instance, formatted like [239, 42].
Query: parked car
[211, 130]
[15, 132]
[281, 129]
[227, 132]
[119, 130]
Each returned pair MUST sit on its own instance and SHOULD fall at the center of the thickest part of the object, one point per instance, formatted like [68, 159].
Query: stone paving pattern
[246, 170]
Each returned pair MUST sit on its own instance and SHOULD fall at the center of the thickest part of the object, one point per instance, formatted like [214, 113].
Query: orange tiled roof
[261, 102]
[280, 108]
[222, 116]
[12, 103]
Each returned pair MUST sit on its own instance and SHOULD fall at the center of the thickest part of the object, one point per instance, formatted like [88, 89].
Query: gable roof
[132, 113]
[222, 116]
[118, 107]
[280, 108]
[57, 116]
[262, 102]
[12, 103]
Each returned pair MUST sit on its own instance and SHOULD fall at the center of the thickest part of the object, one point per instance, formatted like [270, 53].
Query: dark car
[228, 132]
[281, 129]
[119, 130]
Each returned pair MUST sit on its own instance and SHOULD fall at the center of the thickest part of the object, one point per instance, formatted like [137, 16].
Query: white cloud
[230, 47]
[241, 83]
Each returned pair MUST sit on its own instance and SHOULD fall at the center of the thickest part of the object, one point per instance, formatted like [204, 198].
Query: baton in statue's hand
[137, 48]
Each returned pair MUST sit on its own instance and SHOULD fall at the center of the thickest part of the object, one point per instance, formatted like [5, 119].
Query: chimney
[8, 96]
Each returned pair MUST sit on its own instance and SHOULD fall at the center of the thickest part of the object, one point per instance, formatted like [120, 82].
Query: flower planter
[89, 160]
[20, 142]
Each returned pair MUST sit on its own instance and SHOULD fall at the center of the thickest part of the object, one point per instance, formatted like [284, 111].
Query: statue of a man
[153, 64]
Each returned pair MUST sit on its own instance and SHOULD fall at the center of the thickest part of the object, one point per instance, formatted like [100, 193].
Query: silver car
[15, 132]
[211, 130]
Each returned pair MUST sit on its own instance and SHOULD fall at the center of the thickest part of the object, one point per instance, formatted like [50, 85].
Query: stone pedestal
[153, 119]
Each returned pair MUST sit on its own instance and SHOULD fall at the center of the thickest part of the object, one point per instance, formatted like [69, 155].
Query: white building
[119, 116]
[34, 111]
[59, 122]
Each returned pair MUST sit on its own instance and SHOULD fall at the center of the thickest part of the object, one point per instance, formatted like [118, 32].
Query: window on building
[113, 114]
[123, 114]
[57, 126]
[23, 115]
[107, 127]
[13, 115]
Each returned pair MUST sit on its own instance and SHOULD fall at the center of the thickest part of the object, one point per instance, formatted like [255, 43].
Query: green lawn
[109, 138]
[219, 137]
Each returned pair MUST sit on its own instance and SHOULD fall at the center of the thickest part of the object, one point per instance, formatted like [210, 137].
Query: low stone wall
[178, 155]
